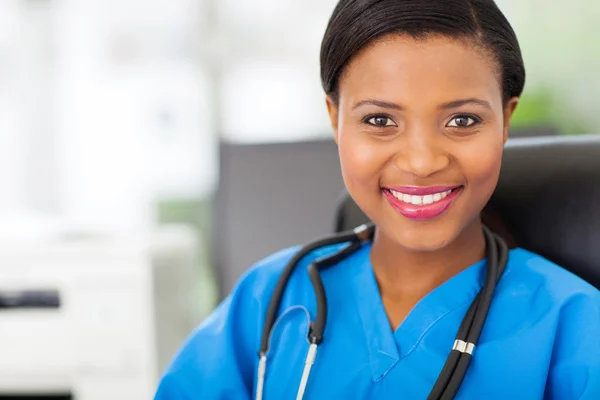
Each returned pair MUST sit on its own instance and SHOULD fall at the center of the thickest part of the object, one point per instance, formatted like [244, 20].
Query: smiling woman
[419, 126]
[420, 94]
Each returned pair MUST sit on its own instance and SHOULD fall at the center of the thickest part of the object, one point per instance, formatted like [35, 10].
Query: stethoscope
[457, 363]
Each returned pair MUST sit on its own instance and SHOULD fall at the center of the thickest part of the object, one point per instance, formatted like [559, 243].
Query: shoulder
[549, 285]
[267, 271]
[541, 272]
[225, 344]
[571, 306]
[261, 278]
[244, 308]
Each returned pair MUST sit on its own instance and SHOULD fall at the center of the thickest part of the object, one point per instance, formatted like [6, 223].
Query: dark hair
[355, 24]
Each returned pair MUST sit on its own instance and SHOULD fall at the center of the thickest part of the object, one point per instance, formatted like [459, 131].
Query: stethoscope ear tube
[480, 318]
[469, 332]
[314, 269]
[316, 331]
[354, 237]
[457, 364]
[277, 295]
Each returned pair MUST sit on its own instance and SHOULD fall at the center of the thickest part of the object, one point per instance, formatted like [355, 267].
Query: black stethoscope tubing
[458, 361]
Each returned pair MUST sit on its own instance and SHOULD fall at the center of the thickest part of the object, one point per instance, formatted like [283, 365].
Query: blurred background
[152, 150]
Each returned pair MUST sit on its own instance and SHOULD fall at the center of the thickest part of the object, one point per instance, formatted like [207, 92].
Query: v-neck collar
[386, 348]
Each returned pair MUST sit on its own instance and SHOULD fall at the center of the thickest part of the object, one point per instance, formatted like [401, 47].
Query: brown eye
[381, 121]
[462, 121]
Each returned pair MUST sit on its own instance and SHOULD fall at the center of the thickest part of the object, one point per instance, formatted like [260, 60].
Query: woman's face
[420, 127]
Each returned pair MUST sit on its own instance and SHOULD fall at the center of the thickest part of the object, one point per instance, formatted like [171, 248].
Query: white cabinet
[125, 307]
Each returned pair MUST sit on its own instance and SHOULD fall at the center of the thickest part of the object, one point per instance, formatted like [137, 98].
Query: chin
[421, 237]
[420, 241]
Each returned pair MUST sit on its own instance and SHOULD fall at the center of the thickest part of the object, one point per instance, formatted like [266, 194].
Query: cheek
[482, 167]
[361, 161]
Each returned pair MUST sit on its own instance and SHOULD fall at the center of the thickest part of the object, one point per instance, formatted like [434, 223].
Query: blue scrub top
[541, 339]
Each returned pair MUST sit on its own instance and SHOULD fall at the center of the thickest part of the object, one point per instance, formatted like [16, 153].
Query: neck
[403, 273]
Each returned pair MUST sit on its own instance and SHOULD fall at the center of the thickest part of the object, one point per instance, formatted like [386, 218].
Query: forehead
[407, 70]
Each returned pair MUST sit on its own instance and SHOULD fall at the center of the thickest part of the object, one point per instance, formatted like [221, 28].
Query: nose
[421, 155]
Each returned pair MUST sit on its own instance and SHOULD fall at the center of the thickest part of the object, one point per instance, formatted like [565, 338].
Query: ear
[509, 110]
[334, 114]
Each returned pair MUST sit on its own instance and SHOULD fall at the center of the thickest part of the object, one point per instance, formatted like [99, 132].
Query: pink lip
[421, 191]
[422, 212]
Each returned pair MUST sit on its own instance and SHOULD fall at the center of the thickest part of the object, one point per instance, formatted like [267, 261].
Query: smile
[420, 203]
[420, 200]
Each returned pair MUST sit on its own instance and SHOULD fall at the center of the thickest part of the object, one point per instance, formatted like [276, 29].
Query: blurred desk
[94, 318]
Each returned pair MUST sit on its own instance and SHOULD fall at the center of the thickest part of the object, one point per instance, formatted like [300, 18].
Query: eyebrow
[445, 106]
[378, 103]
[462, 102]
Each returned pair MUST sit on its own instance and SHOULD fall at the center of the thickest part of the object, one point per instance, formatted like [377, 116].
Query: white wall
[104, 109]
[11, 106]
[272, 89]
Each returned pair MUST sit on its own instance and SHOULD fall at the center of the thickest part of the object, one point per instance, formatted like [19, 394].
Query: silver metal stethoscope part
[310, 360]
[463, 347]
[262, 369]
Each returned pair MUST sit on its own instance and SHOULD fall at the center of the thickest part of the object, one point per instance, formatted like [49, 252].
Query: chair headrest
[548, 196]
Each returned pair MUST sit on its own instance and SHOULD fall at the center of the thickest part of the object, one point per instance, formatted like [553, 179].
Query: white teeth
[421, 200]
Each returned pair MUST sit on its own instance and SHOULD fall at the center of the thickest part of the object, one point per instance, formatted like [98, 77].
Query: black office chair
[548, 196]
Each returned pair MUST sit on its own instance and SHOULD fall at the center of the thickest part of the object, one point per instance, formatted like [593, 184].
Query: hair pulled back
[355, 24]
